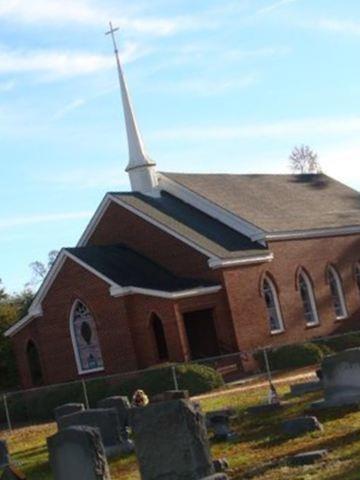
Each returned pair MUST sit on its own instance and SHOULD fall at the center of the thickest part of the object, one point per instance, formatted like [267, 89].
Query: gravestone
[308, 458]
[106, 420]
[4, 454]
[221, 465]
[122, 406]
[78, 453]
[67, 409]
[300, 425]
[219, 422]
[341, 379]
[299, 389]
[12, 473]
[171, 442]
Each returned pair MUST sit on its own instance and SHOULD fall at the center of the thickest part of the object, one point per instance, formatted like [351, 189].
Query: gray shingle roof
[278, 203]
[128, 268]
[203, 230]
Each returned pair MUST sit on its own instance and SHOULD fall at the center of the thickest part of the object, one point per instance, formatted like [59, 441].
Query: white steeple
[141, 168]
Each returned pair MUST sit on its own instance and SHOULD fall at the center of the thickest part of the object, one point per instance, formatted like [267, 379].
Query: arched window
[34, 364]
[337, 293]
[357, 275]
[85, 339]
[159, 335]
[308, 299]
[273, 307]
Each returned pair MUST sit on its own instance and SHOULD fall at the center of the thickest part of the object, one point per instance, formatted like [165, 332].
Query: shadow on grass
[28, 452]
[351, 472]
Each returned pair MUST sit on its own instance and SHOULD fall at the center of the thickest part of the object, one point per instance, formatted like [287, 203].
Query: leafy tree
[304, 160]
[12, 308]
[40, 269]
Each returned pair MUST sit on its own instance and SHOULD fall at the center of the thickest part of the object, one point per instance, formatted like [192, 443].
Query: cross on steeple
[141, 168]
[111, 32]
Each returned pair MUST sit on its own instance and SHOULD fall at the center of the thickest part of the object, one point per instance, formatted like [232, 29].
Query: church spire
[141, 168]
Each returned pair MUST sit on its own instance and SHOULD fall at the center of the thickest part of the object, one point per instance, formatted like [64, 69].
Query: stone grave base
[299, 389]
[124, 448]
[340, 401]
[308, 458]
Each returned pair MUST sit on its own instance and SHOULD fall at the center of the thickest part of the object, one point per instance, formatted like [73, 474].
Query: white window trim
[277, 306]
[80, 370]
[341, 294]
[311, 293]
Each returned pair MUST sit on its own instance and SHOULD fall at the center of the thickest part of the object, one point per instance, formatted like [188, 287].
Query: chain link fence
[26, 407]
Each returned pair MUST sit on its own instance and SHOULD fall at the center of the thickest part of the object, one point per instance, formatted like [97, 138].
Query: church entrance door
[201, 333]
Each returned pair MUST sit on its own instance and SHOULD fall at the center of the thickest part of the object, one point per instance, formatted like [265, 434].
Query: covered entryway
[201, 333]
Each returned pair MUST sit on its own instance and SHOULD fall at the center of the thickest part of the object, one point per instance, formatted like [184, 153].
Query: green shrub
[193, 377]
[292, 356]
[338, 344]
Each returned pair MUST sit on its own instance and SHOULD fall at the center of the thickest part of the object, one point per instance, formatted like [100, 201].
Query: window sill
[88, 372]
[312, 325]
[340, 319]
[277, 332]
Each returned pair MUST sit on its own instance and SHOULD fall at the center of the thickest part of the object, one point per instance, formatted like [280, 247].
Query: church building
[188, 266]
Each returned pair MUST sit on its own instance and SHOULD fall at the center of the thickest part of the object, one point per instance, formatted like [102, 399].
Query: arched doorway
[159, 335]
[34, 363]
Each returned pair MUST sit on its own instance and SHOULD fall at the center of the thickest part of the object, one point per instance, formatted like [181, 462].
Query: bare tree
[304, 160]
[40, 270]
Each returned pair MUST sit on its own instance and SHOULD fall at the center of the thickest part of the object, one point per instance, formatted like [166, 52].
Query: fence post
[7, 413]
[86, 398]
[173, 370]
[267, 365]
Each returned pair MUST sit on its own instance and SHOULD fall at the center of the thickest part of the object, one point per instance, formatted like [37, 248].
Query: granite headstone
[171, 442]
[105, 419]
[78, 453]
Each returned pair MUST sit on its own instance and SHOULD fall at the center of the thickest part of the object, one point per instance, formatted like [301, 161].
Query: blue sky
[228, 86]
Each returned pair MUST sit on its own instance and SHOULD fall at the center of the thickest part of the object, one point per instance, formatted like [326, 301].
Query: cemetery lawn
[259, 441]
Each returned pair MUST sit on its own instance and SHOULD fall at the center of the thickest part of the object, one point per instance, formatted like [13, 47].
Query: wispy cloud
[62, 112]
[284, 129]
[87, 13]
[348, 27]
[46, 218]
[61, 63]
[275, 6]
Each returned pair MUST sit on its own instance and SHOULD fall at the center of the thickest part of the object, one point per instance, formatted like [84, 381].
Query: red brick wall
[118, 225]
[239, 310]
[247, 305]
[51, 332]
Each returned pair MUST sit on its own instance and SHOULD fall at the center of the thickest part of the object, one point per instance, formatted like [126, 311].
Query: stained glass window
[337, 293]
[86, 341]
[308, 299]
[273, 307]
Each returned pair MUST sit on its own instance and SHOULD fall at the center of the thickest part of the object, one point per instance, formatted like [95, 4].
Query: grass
[259, 441]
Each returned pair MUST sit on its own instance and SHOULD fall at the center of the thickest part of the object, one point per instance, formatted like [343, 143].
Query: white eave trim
[193, 292]
[218, 263]
[115, 290]
[94, 220]
[215, 211]
[312, 233]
